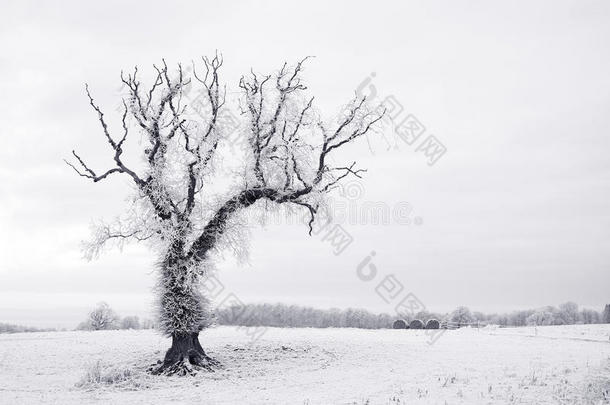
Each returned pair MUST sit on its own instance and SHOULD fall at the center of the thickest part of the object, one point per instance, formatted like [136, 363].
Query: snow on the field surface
[544, 365]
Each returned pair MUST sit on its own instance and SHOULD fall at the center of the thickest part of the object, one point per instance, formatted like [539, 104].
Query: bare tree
[540, 318]
[568, 311]
[285, 161]
[102, 318]
[606, 314]
[461, 315]
[589, 316]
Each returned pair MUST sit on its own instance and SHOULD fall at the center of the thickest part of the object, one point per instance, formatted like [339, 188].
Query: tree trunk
[185, 357]
[184, 311]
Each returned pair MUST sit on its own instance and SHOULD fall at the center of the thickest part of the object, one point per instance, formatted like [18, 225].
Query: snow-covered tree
[589, 316]
[540, 318]
[101, 318]
[606, 314]
[187, 208]
[461, 316]
[568, 312]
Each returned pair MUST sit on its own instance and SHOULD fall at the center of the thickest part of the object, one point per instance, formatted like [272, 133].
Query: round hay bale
[433, 324]
[416, 324]
[399, 324]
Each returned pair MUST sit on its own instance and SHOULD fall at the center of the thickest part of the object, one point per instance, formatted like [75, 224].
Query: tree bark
[183, 313]
[185, 357]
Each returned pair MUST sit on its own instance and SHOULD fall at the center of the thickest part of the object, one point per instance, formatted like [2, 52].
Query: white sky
[515, 214]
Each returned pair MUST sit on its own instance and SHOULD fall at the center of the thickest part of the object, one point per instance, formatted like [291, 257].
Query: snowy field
[550, 365]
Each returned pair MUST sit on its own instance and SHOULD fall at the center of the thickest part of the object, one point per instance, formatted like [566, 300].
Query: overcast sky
[515, 214]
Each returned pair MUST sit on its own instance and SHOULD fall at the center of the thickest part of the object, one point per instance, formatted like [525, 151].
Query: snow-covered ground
[556, 364]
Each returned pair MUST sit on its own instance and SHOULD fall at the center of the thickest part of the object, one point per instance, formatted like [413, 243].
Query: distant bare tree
[519, 318]
[102, 318]
[589, 316]
[461, 316]
[568, 312]
[606, 314]
[478, 316]
[540, 318]
[177, 206]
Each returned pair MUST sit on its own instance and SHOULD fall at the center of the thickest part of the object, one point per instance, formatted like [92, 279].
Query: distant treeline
[10, 328]
[102, 317]
[281, 315]
[566, 314]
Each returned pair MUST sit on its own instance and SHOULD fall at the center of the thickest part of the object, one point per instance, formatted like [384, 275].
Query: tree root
[186, 366]
[185, 357]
